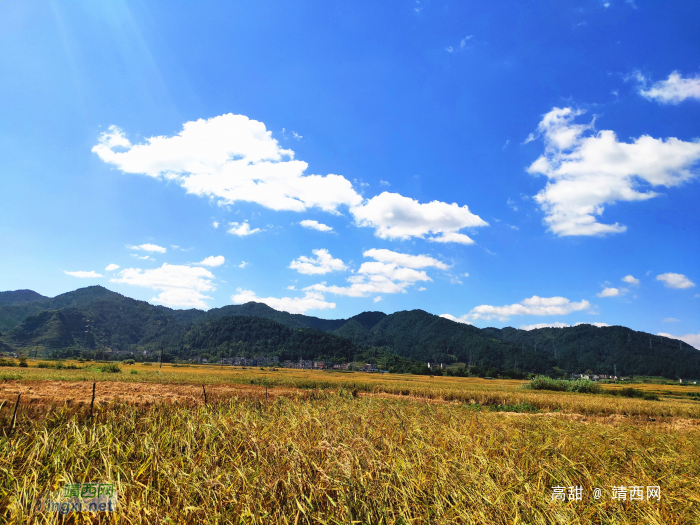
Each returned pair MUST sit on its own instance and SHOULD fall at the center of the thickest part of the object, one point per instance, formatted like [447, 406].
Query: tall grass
[582, 386]
[333, 458]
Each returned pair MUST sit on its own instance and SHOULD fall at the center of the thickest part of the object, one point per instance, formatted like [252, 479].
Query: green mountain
[20, 297]
[94, 319]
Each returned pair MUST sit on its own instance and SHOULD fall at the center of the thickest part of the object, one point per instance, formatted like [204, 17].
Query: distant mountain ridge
[20, 297]
[95, 317]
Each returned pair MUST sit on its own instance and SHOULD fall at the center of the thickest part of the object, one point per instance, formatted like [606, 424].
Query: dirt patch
[80, 393]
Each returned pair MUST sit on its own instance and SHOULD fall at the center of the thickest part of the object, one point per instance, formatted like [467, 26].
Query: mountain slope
[96, 318]
[20, 297]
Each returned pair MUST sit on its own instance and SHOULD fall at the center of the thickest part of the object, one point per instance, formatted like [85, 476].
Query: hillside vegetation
[96, 320]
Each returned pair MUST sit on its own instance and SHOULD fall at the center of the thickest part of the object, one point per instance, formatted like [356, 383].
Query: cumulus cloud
[544, 325]
[533, 306]
[243, 264]
[213, 261]
[111, 267]
[588, 170]
[377, 299]
[148, 248]
[671, 320]
[179, 285]
[691, 339]
[611, 292]
[229, 158]
[403, 259]
[323, 263]
[675, 280]
[390, 272]
[315, 225]
[462, 319]
[631, 280]
[397, 217]
[215, 224]
[674, 90]
[241, 229]
[293, 305]
[84, 275]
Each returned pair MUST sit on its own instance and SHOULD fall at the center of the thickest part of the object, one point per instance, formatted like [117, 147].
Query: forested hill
[94, 317]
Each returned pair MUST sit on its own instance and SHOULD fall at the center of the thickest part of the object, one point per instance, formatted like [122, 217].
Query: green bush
[110, 368]
[583, 386]
[134, 371]
[23, 362]
[7, 362]
[44, 364]
[633, 392]
[129, 362]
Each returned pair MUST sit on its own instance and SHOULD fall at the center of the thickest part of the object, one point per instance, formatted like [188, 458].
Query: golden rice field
[315, 447]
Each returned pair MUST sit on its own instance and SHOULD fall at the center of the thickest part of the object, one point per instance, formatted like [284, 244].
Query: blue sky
[503, 163]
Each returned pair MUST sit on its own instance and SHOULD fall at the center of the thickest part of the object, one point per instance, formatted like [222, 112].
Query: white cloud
[143, 257]
[390, 272]
[323, 263]
[213, 261]
[671, 320]
[544, 325]
[691, 339]
[315, 225]
[397, 217]
[295, 305]
[675, 280]
[422, 289]
[230, 158]
[674, 90]
[377, 299]
[588, 170]
[384, 183]
[84, 275]
[609, 292]
[243, 264]
[404, 259]
[111, 267]
[148, 248]
[215, 224]
[241, 229]
[599, 325]
[461, 319]
[296, 135]
[179, 285]
[533, 306]
[631, 280]
[465, 275]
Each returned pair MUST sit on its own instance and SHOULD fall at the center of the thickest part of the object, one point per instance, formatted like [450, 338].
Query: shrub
[582, 386]
[633, 392]
[134, 371]
[110, 368]
[7, 362]
[129, 362]
[44, 364]
[23, 362]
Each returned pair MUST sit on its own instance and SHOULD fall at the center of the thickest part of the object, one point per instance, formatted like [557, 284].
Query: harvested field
[364, 451]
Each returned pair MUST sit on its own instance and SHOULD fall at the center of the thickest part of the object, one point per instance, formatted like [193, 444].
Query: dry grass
[357, 448]
[675, 402]
[330, 458]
